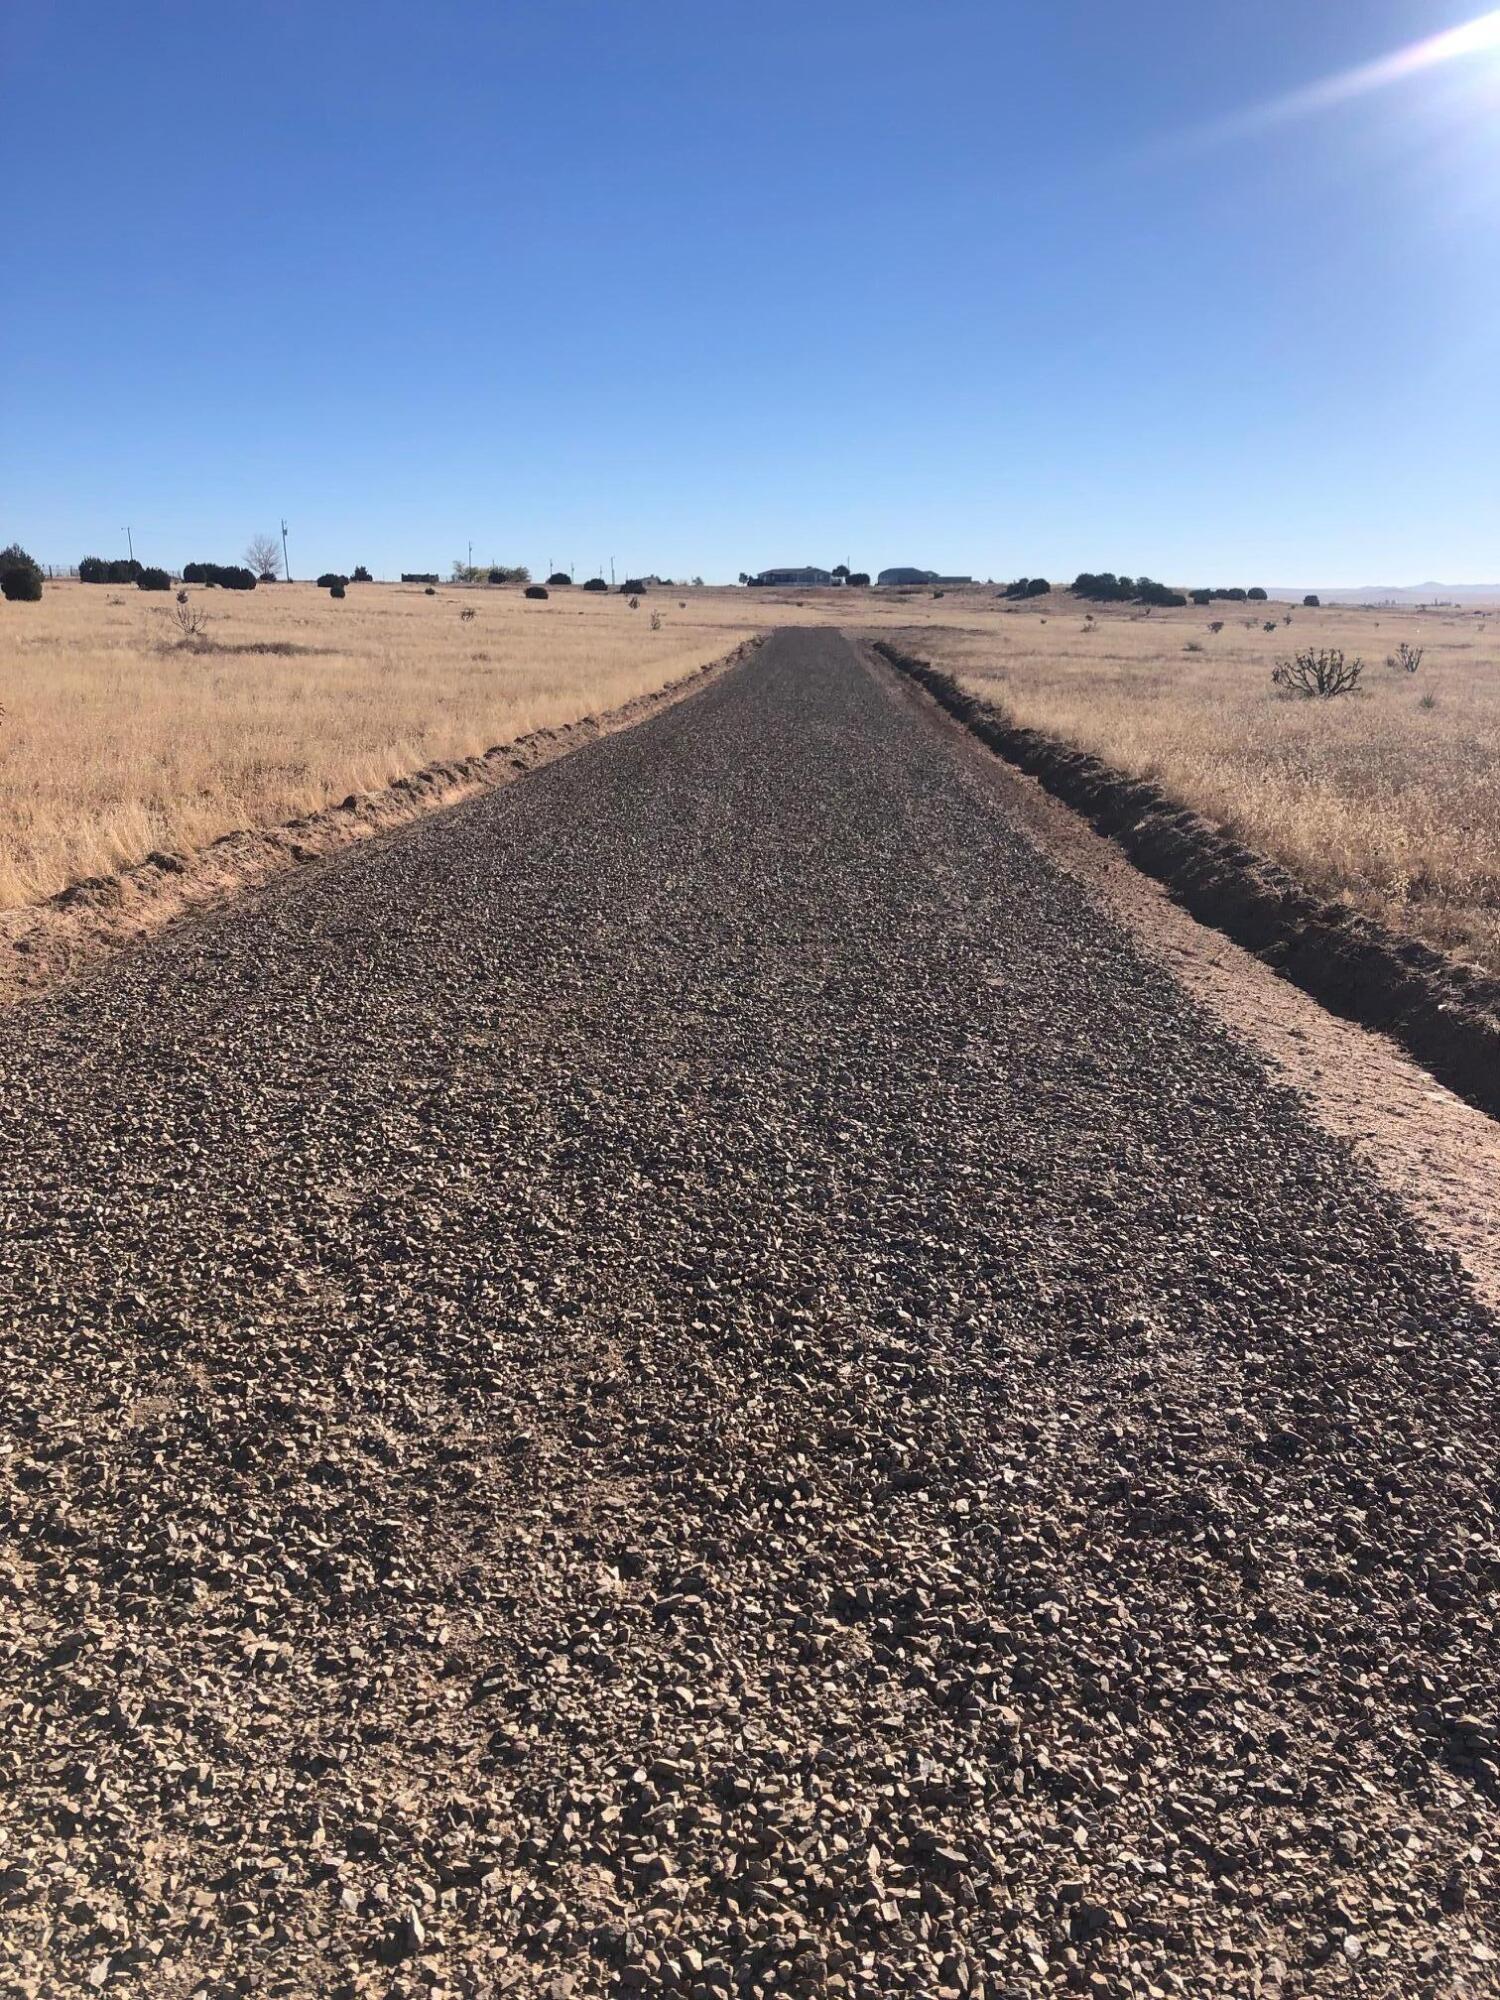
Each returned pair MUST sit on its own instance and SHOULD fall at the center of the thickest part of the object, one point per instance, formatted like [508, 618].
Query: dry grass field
[117, 738]
[1388, 798]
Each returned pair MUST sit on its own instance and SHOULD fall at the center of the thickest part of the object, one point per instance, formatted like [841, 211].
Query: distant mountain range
[1398, 593]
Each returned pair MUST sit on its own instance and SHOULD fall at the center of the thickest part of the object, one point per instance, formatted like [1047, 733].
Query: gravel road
[692, 1378]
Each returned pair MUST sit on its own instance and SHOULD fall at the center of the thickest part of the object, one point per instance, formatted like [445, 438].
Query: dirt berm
[1447, 1015]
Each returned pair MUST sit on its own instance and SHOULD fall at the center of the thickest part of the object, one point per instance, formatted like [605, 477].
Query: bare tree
[1318, 673]
[263, 555]
[191, 622]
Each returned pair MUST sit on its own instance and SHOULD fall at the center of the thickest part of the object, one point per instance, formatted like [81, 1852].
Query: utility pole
[286, 561]
[611, 572]
[471, 555]
[129, 543]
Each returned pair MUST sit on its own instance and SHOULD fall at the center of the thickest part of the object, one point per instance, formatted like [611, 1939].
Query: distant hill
[1398, 593]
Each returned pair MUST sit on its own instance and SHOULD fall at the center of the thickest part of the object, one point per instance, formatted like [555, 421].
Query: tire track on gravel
[692, 1378]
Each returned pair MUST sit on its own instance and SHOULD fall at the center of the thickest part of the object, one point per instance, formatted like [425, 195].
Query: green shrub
[536, 590]
[329, 578]
[337, 587]
[560, 580]
[1256, 595]
[596, 583]
[228, 576]
[153, 579]
[20, 576]
[96, 569]
[1311, 600]
[1104, 587]
[361, 574]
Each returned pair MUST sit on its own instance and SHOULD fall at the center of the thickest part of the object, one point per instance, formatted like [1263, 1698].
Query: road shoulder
[1439, 1155]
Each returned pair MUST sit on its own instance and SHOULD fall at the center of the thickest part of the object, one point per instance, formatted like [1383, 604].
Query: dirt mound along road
[693, 1378]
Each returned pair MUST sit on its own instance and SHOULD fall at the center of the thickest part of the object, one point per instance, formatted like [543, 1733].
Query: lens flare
[1470, 38]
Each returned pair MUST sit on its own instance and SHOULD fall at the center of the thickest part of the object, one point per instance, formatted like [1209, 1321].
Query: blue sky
[709, 287]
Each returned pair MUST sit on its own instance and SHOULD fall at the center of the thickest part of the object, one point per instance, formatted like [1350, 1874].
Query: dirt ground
[699, 1377]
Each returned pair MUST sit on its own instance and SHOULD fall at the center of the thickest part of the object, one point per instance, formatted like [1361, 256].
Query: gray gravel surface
[693, 1379]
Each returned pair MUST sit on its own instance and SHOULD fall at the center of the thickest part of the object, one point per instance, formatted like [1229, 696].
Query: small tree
[1311, 600]
[361, 574]
[596, 583]
[535, 590]
[1318, 674]
[153, 579]
[1256, 595]
[20, 576]
[560, 580]
[336, 588]
[263, 555]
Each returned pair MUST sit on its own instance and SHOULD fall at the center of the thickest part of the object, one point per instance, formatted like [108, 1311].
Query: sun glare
[1470, 38]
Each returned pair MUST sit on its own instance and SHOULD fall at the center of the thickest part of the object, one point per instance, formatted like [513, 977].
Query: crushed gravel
[693, 1379]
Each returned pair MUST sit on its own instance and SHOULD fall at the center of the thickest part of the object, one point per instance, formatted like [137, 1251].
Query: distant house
[889, 576]
[793, 576]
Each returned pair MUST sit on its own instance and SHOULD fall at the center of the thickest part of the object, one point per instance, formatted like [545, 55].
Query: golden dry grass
[118, 739]
[1388, 799]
